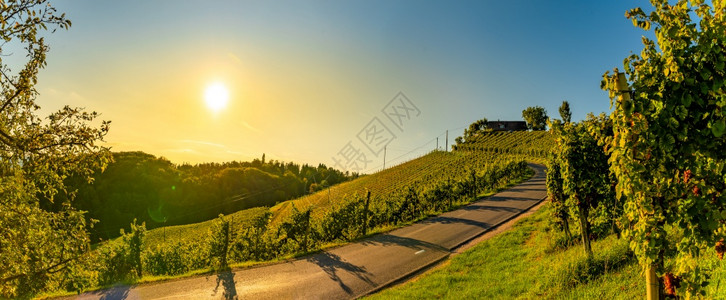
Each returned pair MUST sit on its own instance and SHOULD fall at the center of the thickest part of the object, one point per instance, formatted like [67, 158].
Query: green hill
[487, 150]
[425, 186]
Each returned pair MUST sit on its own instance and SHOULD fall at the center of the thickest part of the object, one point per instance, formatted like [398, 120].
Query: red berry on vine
[671, 283]
[720, 249]
[696, 191]
[687, 176]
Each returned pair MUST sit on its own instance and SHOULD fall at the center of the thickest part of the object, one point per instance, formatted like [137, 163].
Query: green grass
[528, 262]
[531, 261]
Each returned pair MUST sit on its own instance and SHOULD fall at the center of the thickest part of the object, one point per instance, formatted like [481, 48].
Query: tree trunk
[585, 229]
[566, 229]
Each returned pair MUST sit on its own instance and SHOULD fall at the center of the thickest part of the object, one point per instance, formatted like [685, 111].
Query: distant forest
[153, 190]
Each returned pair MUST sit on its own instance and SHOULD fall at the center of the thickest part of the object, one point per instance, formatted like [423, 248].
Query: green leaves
[718, 128]
[579, 179]
[679, 80]
[37, 156]
[536, 117]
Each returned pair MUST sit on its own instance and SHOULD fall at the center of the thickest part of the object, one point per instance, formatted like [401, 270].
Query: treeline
[151, 189]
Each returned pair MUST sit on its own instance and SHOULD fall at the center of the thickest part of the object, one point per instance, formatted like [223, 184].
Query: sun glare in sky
[299, 80]
[216, 96]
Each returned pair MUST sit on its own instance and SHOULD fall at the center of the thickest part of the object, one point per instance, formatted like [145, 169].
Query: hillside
[429, 185]
[533, 144]
[486, 151]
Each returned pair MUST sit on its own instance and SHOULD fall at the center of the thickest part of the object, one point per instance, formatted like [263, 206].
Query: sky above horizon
[327, 81]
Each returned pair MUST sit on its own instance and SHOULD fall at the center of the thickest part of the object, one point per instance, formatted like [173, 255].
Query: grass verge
[530, 261]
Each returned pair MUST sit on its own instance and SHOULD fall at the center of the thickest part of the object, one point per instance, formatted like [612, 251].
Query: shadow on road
[478, 207]
[524, 188]
[390, 239]
[116, 293]
[227, 280]
[452, 220]
[331, 264]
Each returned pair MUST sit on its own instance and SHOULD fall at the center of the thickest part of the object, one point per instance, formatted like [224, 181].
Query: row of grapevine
[664, 182]
[427, 170]
[536, 145]
[580, 185]
[667, 150]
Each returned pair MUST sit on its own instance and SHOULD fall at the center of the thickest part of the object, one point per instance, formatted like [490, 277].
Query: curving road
[353, 270]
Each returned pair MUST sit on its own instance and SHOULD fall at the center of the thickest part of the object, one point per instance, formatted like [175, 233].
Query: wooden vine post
[652, 285]
[365, 213]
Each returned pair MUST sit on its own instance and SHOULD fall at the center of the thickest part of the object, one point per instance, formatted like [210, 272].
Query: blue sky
[304, 77]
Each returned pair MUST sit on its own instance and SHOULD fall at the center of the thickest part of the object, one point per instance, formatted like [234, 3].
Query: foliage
[584, 179]
[556, 194]
[296, 230]
[536, 117]
[219, 242]
[168, 260]
[255, 242]
[121, 261]
[36, 156]
[667, 150]
[475, 129]
[344, 222]
[152, 189]
[565, 112]
[535, 146]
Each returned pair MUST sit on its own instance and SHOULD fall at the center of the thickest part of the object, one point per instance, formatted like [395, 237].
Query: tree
[36, 156]
[536, 117]
[667, 150]
[565, 112]
[475, 129]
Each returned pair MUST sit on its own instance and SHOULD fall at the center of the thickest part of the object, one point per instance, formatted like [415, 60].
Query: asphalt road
[353, 270]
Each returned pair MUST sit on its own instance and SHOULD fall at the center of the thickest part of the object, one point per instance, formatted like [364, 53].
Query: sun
[216, 96]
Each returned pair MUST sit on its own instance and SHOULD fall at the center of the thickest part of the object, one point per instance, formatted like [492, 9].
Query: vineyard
[431, 184]
[534, 145]
[639, 191]
[489, 149]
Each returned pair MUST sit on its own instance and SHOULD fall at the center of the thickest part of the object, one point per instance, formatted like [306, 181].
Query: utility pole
[437, 143]
[447, 140]
[384, 157]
